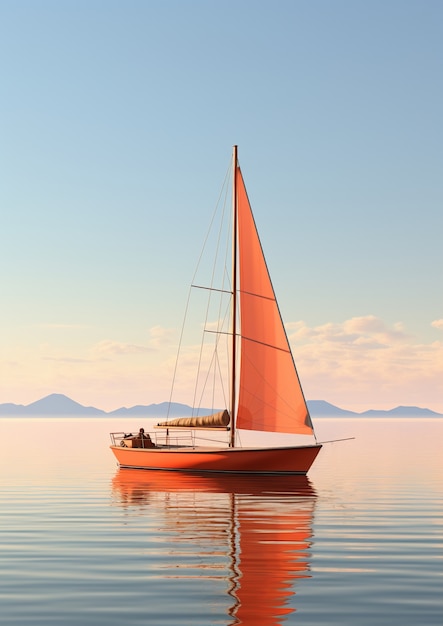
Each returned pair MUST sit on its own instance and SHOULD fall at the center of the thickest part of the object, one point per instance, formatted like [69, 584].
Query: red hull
[290, 460]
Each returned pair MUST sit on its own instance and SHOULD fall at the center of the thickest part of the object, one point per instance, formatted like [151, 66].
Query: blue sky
[116, 126]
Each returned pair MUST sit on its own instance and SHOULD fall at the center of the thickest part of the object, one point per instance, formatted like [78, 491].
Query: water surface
[358, 541]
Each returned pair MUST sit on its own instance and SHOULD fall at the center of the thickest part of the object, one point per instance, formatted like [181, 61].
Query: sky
[117, 121]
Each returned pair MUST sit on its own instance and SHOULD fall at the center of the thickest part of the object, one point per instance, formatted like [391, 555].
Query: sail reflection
[253, 532]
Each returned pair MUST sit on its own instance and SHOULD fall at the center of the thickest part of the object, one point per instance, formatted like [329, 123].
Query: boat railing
[160, 440]
[129, 440]
[181, 436]
[167, 438]
[176, 439]
[117, 438]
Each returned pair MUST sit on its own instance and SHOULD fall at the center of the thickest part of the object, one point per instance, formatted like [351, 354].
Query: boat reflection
[252, 531]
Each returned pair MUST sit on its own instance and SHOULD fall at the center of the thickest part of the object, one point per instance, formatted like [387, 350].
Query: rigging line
[201, 353]
[216, 210]
[214, 266]
[248, 293]
[215, 358]
[212, 289]
[224, 189]
[178, 354]
[226, 280]
[216, 371]
[258, 295]
[220, 232]
[222, 320]
[261, 343]
[335, 440]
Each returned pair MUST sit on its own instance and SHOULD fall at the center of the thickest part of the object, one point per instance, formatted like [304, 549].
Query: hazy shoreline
[59, 405]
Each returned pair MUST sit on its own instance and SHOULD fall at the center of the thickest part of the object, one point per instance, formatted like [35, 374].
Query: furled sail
[216, 420]
[270, 395]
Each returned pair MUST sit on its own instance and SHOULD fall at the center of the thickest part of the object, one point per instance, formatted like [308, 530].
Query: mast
[234, 293]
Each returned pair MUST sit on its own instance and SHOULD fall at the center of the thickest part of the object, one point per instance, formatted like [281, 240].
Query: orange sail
[265, 391]
[270, 395]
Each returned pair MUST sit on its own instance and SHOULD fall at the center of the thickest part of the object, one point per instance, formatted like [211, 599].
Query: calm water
[358, 542]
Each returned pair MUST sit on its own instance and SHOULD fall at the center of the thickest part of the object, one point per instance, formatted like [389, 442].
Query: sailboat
[265, 391]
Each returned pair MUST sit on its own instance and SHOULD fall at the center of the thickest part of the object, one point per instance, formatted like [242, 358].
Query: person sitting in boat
[145, 439]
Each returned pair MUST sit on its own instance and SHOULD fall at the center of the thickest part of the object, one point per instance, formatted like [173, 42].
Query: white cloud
[160, 336]
[365, 361]
[108, 347]
[358, 364]
[368, 331]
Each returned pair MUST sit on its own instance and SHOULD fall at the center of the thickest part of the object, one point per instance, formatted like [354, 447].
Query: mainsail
[270, 395]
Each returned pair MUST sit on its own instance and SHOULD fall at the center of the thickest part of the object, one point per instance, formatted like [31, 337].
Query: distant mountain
[401, 411]
[60, 405]
[161, 410]
[55, 404]
[321, 408]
